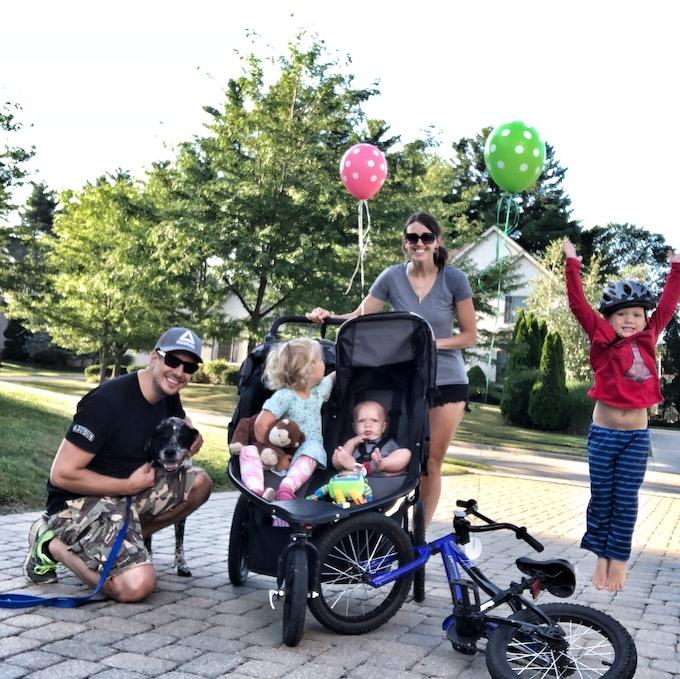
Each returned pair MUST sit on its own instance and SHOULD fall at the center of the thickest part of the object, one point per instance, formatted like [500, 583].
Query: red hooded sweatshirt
[624, 367]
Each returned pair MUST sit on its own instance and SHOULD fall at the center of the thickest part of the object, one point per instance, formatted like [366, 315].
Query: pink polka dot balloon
[363, 170]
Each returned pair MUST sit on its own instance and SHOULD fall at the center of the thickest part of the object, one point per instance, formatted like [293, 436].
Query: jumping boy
[623, 359]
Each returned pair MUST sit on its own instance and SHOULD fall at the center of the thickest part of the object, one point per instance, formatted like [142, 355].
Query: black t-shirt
[113, 422]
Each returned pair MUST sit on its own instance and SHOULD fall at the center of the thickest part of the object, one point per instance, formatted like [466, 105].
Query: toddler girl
[295, 369]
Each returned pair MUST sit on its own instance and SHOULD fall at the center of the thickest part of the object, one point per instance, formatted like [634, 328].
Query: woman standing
[426, 286]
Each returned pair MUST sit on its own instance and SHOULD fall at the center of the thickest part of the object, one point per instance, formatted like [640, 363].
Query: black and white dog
[168, 447]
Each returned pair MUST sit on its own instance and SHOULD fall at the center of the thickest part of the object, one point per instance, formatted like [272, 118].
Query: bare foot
[599, 578]
[616, 575]
[342, 459]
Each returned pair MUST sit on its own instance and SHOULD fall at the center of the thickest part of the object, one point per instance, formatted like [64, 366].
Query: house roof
[513, 246]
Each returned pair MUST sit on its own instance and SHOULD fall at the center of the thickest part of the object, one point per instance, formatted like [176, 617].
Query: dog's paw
[235, 448]
[184, 571]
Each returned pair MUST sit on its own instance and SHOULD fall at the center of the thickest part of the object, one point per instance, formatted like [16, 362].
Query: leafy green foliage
[104, 288]
[626, 251]
[548, 401]
[548, 302]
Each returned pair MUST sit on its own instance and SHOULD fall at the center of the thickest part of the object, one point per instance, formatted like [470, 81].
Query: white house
[483, 252]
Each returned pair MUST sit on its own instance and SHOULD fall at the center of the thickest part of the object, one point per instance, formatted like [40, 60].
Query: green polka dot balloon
[514, 155]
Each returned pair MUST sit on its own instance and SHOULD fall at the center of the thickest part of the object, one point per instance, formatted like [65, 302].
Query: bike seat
[557, 575]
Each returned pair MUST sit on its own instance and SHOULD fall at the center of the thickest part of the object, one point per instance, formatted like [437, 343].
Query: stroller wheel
[367, 543]
[295, 601]
[237, 560]
[419, 539]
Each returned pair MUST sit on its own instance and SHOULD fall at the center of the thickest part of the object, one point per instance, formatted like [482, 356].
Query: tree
[522, 371]
[621, 246]
[548, 401]
[548, 302]
[473, 199]
[12, 171]
[671, 353]
[256, 203]
[106, 290]
[12, 158]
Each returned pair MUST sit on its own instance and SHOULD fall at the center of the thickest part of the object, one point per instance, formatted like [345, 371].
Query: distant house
[482, 253]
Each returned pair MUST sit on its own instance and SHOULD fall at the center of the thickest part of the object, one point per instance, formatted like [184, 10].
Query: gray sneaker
[39, 568]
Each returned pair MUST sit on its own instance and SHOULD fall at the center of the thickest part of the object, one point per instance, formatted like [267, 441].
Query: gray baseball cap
[181, 339]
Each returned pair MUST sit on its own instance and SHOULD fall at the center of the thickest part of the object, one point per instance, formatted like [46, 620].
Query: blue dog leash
[28, 600]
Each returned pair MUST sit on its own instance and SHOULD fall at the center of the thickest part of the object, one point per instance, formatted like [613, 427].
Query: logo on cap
[187, 339]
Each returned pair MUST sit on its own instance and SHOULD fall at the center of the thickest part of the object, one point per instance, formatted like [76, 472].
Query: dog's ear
[187, 436]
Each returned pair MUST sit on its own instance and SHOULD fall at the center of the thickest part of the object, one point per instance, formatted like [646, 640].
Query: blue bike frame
[454, 559]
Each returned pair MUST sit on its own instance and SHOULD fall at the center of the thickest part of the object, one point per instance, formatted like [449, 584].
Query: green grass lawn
[33, 421]
[484, 426]
[36, 411]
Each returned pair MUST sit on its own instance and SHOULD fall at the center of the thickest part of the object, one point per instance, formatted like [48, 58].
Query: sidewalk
[203, 627]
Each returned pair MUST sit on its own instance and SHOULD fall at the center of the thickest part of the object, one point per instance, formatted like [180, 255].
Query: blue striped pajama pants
[618, 461]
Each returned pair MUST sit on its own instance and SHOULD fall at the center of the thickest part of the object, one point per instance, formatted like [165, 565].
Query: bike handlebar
[520, 532]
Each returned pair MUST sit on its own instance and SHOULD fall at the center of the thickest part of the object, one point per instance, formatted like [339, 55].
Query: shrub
[580, 408]
[92, 370]
[214, 369]
[200, 377]
[515, 400]
[548, 401]
[230, 375]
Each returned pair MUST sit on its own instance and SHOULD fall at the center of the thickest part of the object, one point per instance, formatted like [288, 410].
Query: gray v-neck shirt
[438, 308]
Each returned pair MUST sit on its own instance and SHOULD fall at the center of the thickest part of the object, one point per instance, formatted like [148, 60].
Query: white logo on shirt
[83, 431]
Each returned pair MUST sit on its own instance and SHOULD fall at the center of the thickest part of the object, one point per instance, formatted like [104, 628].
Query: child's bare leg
[395, 463]
[616, 575]
[599, 578]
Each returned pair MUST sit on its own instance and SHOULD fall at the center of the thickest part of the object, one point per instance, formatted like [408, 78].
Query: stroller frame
[386, 531]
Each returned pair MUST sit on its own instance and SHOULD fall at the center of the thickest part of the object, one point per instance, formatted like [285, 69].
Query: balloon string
[363, 246]
[507, 201]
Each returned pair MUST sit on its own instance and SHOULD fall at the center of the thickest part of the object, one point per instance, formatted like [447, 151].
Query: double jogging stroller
[321, 558]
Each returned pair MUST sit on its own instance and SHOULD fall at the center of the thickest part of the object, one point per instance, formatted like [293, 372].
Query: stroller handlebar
[301, 320]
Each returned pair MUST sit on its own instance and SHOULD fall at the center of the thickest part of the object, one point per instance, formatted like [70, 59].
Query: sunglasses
[173, 362]
[412, 238]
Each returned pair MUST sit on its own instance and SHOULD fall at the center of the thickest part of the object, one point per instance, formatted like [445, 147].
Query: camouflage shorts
[89, 525]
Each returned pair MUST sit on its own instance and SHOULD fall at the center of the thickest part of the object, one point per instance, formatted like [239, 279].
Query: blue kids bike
[360, 569]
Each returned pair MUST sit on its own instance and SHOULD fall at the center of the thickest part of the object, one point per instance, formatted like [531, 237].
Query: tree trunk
[103, 359]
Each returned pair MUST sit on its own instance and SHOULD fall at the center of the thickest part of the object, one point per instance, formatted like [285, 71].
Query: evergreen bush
[580, 408]
[549, 398]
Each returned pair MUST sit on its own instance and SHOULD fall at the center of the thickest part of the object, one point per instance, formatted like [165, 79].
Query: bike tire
[419, 540]
[295, 601]
[237, 558]
[599, 646]
[367, 543]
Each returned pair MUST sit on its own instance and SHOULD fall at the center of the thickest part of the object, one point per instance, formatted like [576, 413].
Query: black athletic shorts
[450, 393]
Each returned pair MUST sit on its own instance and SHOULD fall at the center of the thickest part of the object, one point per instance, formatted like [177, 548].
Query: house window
[501, 364]
[512, 303]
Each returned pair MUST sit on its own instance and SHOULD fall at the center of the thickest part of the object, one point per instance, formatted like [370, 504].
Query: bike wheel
[419, 540]
[237, 559]
[295, 587]
[369, 543]
[597, 646]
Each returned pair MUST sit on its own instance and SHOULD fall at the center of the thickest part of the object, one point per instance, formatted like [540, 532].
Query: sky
[107, 85]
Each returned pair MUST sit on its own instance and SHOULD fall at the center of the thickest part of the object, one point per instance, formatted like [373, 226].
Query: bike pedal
[466, 649]
[466, 645]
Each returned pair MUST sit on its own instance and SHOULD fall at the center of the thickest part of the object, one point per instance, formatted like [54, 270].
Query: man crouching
[102, 460]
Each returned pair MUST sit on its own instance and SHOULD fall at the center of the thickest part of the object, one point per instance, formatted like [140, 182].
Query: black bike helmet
[623, 294]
